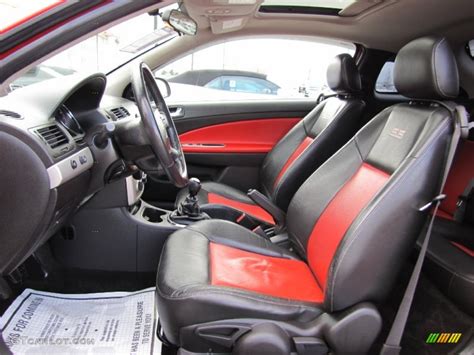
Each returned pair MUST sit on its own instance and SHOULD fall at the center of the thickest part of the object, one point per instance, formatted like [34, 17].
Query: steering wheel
[158, 125]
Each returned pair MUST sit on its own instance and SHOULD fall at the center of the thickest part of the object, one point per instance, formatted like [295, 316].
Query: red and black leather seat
[302, 150]
[351, 224]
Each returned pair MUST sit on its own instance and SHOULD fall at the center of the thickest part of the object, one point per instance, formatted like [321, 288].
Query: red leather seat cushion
[272, 276]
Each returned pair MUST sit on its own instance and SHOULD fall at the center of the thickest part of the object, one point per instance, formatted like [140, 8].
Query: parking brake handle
[263, 201]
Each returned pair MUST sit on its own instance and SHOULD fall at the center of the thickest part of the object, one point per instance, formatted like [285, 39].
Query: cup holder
[153, 215]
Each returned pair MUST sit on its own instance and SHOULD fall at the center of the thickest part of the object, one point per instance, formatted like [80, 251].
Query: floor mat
[40, 322]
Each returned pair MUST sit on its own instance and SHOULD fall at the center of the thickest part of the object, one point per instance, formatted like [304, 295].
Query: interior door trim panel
[198, 115]
[248, 136]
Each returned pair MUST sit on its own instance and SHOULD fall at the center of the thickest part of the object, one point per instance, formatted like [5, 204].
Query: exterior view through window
[102, 52]
[384, 83]
[247, 69]
[259, 68]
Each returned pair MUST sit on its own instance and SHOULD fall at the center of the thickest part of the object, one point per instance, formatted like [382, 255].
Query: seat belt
[461, 130]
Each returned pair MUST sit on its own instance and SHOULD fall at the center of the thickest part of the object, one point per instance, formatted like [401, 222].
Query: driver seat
[301, 151]
[222, 288]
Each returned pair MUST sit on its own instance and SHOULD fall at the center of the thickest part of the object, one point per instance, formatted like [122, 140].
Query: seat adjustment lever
[310, 345]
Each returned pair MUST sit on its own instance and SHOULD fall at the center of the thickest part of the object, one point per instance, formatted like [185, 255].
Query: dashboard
[50, 161]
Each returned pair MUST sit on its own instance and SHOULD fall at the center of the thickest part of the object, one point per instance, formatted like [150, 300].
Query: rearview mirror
[164, 87]
[181, 22]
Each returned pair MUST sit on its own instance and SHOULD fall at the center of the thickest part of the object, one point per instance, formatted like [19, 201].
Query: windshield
[102, 52]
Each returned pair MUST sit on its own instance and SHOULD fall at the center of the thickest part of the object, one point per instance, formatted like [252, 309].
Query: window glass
[253, 69]
[104, 51]
[384, 83]
[243, 84]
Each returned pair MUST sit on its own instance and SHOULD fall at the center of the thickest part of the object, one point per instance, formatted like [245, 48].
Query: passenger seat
[299, 153]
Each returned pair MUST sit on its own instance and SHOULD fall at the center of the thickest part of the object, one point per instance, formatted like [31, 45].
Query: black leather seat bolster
[236, 236]
[449, 267]
[184, 291]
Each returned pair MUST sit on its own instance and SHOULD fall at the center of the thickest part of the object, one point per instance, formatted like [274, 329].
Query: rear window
[384, 83]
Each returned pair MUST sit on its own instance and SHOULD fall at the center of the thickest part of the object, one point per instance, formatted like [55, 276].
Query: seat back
[319, 135]
[356, 218]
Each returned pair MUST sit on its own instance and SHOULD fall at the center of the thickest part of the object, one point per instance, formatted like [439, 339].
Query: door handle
[176, 111]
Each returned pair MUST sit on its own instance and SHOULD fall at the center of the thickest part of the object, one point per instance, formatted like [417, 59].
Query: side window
[384, 83]
[240, 83]
[253, 69]
[215, 84]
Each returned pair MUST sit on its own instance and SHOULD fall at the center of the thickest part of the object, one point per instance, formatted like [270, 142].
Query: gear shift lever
[190, 206]
[194, 186]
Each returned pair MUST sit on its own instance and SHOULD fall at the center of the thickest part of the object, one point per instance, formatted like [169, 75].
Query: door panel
[203, 114]
[248, 136]
[241, 134]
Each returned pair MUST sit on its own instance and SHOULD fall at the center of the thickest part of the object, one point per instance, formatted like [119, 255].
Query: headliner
[387, 26]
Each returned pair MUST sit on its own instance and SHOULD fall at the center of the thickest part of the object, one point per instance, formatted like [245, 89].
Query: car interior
[264, 224]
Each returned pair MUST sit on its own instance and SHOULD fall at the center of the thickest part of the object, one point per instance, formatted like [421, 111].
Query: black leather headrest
[426, 69]
[343, 76]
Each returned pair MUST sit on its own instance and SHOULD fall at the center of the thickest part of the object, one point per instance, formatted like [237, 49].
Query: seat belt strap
[392, 344]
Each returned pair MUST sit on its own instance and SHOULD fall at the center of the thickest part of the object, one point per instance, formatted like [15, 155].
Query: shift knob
[194, 186]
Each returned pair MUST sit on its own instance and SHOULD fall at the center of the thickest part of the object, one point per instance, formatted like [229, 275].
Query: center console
[117, 231]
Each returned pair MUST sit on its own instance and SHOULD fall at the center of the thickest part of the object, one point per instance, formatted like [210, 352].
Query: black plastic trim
[306, 10]
[43, 22]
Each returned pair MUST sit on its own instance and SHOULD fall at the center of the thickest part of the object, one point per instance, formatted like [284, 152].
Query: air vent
[119, 113]
[53, 136]
[10, 114]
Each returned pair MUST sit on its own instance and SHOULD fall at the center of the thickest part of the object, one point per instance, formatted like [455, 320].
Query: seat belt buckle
[434, 201]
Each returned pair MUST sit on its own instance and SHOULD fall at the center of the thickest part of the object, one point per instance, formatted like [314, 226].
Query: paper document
[97, 323]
